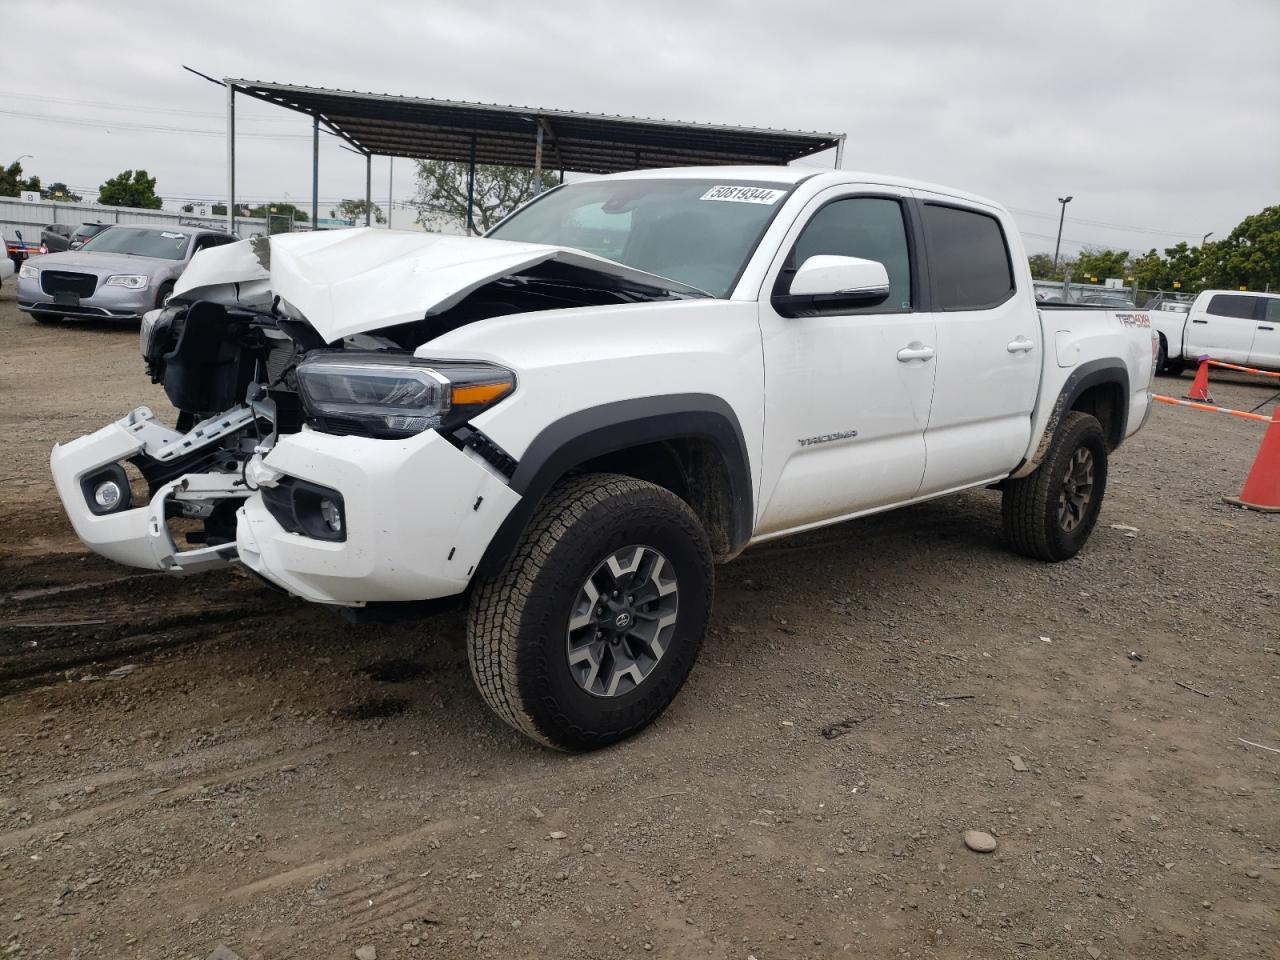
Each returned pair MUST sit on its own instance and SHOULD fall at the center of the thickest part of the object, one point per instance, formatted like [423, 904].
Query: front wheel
[1050, 514]
[592, 627]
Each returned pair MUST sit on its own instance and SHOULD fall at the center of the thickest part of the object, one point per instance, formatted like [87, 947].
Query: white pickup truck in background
[568, 421]
[1228, 325]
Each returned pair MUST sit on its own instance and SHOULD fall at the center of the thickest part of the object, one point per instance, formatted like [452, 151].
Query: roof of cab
[792, 175]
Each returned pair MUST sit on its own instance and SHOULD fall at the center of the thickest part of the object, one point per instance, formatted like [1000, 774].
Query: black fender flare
[609, 428]
[1108, 370]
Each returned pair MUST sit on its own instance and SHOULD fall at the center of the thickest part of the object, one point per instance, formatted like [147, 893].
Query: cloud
[1156, 114]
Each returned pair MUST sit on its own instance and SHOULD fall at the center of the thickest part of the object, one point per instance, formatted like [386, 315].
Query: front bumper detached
[417, 513]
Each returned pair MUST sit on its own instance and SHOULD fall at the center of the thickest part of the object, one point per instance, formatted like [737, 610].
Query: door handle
[1261, 327]
[1199, 321]
[1020, 345]
[915, 350]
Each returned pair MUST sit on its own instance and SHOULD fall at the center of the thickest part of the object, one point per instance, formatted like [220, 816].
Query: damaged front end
[313, 442]
[129, 487]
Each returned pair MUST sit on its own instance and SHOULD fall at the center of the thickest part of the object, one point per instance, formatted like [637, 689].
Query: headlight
[29, 271]
[132, 281]
[396, 396]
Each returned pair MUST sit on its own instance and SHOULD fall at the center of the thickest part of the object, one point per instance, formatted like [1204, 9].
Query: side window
[1273, 310]
[968, 258]
[872, 228]
[1231, 305]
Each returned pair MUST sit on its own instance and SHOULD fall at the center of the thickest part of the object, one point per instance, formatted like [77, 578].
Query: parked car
[18, 250]
[6, 269]
[1114, 301]
[121, 273]
[84, 233]
[56, 237]
[570, 440]
[1228, 325]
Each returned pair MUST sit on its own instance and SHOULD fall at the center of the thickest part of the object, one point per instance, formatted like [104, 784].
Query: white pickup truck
[569, 421]
[1223, 324]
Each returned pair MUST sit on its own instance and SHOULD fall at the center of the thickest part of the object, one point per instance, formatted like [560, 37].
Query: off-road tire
[517, 625]
[1031, 506]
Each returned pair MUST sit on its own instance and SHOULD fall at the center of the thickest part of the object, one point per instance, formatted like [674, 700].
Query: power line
[1127, 228]
[131, 107]
[127, 125]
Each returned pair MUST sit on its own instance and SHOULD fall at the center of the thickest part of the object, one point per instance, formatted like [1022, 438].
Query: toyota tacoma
[569, 421]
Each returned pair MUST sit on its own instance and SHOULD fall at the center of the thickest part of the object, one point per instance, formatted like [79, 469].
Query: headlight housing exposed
[392, 396]
[129, 280]
[28, 271]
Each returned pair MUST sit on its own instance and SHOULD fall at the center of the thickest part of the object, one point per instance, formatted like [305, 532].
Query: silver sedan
[121, 273]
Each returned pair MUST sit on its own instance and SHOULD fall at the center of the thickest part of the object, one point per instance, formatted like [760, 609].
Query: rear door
[848, 393]
[1223, 328]
[990, 347]
[1265, 350]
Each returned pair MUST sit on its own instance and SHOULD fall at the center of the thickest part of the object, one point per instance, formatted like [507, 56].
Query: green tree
[1150, 272]
[1250, 255]
[355, 210]
[442, 189]
[133, 188]
[1185, 266]
[11, 182]
[60, 191]
[1042, 267]
[1099, 263]
[278, 215]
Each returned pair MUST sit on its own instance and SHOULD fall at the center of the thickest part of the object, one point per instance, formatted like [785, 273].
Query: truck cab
[1232, 325]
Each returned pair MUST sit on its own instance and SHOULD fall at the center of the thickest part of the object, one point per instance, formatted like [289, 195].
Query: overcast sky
[1159, 116]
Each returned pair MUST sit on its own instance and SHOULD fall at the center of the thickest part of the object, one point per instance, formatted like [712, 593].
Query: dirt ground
[203, 762]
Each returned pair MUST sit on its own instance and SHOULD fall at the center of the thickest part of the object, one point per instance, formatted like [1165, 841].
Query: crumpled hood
[354, 281]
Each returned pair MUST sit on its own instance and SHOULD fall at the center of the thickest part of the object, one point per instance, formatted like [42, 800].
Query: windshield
[700, 232]
[162, 244]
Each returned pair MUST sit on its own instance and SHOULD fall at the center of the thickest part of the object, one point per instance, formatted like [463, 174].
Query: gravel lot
[203, 762]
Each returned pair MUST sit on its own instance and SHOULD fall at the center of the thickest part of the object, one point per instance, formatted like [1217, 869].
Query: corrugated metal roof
[423, 129]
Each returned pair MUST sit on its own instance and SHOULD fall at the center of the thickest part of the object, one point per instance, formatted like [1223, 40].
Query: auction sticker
[743, 194]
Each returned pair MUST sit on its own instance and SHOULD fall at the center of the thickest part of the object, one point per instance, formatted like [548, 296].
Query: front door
[1265, 351]
[847, 396]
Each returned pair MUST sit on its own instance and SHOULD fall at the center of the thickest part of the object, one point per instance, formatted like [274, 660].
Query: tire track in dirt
[91, 816]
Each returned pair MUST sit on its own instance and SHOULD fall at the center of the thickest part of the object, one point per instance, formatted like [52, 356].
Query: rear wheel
[592, 627]
[1050, 514]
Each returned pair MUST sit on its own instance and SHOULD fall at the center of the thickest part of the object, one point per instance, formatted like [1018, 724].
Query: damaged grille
[59, 281]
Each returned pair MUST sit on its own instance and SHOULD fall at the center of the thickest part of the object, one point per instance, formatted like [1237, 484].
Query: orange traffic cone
[1200, 386]
[1262, 486]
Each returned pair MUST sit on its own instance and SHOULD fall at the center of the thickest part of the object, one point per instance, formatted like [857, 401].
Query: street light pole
[1205, 238]
[1063, 216]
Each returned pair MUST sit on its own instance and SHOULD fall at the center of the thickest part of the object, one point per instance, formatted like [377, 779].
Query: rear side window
[872, 228]
[1273, 310]
[1232, 305]
[968, 258]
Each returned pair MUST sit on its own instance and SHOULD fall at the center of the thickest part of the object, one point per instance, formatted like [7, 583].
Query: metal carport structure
[481, 133]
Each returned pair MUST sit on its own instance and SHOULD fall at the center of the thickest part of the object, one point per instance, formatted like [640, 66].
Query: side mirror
[827, 284]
